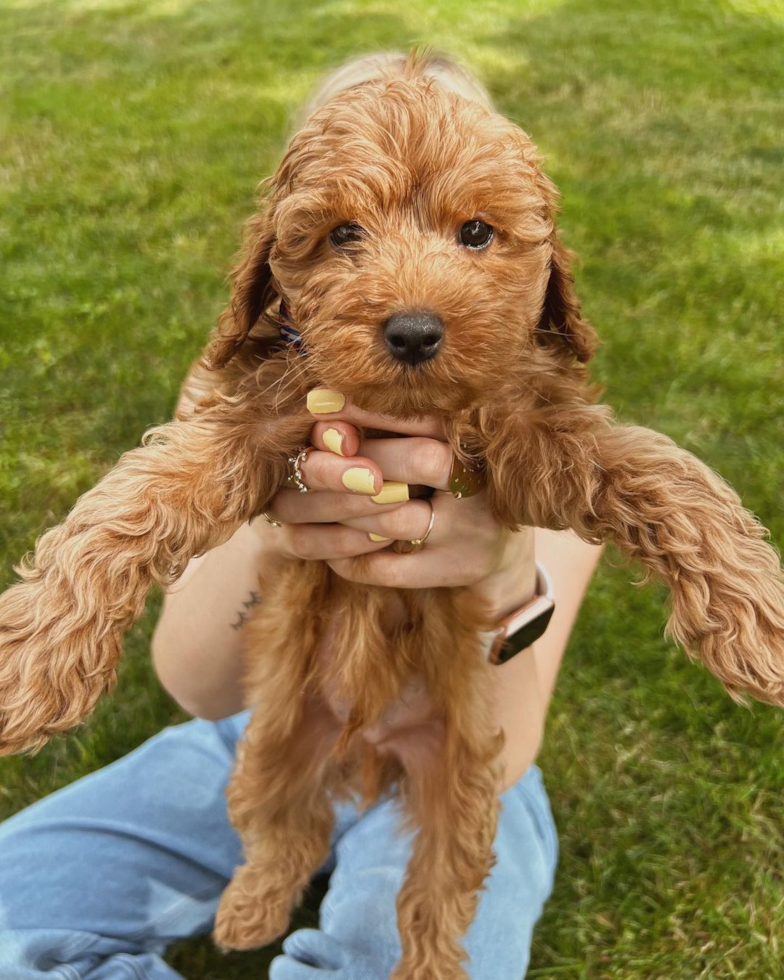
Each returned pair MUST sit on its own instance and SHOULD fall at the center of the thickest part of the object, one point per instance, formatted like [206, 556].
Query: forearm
[197, 644]
[525, 683]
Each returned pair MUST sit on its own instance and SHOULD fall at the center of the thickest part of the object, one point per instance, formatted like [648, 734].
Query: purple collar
[288, 330]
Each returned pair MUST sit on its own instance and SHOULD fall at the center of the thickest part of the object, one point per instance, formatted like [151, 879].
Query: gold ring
[271, 520]
[466, 478]
[296, 466]
[418, 542]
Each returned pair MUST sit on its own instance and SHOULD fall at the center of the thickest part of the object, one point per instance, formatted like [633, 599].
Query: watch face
[526, 636]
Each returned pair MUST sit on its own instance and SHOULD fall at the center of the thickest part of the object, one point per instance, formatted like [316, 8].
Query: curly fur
[409, 155]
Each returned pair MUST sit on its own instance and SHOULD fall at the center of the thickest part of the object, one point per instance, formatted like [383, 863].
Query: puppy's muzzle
[413, 337]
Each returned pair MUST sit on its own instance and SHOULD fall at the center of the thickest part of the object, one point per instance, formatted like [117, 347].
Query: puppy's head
[411, 232]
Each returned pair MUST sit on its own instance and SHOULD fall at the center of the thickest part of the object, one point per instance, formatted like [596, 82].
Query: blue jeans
[99, 878]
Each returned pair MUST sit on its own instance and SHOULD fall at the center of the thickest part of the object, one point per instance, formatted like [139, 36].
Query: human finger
[423, 569]
[404, 523]
[326, 542]
[414, 460]
[326, 471]
[326, 404]
[464, 545]
[289, 506]
[337, 437]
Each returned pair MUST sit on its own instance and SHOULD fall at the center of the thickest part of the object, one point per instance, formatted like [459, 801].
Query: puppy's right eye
[344, 235]
[476, 234]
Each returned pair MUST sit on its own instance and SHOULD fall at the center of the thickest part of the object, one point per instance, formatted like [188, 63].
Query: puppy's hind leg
[455, 801]
[278, 801]
[451, 792]
[278, 798]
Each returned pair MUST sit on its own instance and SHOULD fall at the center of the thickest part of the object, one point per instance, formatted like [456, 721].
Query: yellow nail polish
[392, 492]
[360, 480]
[377, 537]
[324, 400]
[333, 440]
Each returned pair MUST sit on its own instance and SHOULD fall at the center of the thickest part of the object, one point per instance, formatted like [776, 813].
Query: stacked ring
[296, 466]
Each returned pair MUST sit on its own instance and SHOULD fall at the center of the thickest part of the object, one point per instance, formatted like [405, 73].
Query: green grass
[133, 136]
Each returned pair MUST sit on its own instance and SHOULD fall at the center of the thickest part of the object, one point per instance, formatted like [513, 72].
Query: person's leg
[358, 938]
[98, 878]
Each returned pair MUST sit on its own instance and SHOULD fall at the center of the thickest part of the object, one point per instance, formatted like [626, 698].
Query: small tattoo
[242, 617]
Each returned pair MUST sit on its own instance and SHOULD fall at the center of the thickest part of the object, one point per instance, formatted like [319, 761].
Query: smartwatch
[525, 626]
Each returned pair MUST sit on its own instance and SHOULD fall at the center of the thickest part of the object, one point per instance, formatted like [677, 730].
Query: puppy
[409, 235]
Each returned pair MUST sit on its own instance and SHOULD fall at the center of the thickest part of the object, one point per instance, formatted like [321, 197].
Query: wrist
[513, 582]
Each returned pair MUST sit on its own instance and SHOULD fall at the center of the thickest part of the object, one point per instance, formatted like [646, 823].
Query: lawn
[133, 137]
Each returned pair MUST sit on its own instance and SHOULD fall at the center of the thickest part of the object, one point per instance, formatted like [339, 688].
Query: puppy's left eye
[476, 234]
[344, 234]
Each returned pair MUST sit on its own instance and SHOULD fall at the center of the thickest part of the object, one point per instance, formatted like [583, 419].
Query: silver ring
[296, 466]
[418, 542]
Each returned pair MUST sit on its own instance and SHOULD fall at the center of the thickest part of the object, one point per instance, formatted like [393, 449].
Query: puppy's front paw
[51, 672]
[250, 914]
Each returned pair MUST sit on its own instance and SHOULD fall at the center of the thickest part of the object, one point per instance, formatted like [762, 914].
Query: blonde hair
[394, 64]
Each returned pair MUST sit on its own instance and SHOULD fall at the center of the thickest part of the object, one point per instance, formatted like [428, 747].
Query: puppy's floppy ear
[253, 289]
[561, 320]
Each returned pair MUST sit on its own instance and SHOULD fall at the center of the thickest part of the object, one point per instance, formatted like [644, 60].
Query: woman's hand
[359, 503]
[197, 647]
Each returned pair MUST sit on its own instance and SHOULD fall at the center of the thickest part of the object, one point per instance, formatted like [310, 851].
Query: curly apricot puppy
[410, 231]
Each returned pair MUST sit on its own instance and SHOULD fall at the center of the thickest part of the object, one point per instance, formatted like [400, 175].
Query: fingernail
[377, 537]
[333, 440]
[324, 400]
[360, 480]
[392, 492]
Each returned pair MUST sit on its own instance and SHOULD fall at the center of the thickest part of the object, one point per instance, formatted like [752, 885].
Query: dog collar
[288, 330]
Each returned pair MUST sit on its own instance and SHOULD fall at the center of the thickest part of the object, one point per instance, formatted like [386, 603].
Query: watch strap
[522, 628]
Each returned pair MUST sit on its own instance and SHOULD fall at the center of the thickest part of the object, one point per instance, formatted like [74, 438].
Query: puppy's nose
[413, 337]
